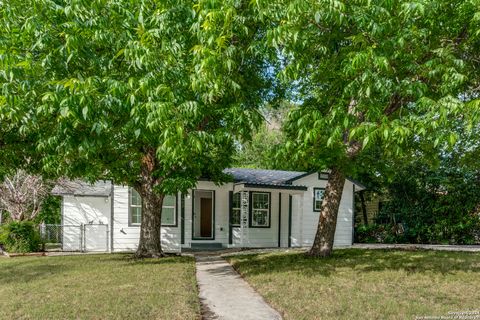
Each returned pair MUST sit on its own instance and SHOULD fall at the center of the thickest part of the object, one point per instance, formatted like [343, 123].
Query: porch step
[206, 246]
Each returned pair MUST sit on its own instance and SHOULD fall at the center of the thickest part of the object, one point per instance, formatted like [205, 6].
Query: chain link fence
[83, 237]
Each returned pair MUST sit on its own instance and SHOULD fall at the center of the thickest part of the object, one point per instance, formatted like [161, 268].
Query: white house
[261, 208]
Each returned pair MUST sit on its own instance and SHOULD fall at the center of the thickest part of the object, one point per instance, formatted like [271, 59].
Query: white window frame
[237, 208]
[267, 211]
[131, 205]
[315, 200]
[174, 211]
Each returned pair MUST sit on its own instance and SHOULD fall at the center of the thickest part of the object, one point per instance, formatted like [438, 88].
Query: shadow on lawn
[159, 261]
[26, 271]
[359, 260]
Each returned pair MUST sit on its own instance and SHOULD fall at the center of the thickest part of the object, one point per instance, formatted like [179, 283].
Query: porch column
[279, 219]
[289, 220]
[243, 218]
[300, 218]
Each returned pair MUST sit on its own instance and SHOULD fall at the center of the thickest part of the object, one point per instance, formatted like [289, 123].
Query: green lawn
[98, 287]
[365, 284]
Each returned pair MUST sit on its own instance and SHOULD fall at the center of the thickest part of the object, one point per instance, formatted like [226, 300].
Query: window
[236, 210]
[168, 209]
[135, 208]
[317, 198]
[260, 210]
[323, 175]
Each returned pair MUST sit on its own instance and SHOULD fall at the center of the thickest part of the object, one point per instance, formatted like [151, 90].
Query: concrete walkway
[225, 295]
[439, 247]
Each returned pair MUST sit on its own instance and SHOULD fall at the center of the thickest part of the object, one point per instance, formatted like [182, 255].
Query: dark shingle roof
[260, 176]
[250, 177]
[270, 178]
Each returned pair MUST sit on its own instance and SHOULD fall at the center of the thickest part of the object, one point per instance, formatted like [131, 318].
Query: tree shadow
[358, 260]
[169, 259]
[27, 271]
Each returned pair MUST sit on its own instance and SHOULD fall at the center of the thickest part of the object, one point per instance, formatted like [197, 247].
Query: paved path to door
[225, 295]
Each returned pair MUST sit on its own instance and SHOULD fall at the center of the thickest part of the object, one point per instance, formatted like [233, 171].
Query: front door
[206, 217]
[203, 215]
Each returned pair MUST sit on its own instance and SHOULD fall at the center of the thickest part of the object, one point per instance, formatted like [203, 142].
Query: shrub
[380, 233]
[20, 237]
[438, 206]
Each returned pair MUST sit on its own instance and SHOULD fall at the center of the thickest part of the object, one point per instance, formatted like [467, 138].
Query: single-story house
[260, 208]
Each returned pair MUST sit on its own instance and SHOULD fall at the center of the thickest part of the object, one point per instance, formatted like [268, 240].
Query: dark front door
[206, 217]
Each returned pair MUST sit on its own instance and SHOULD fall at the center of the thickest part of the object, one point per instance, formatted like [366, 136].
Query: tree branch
[396, 102]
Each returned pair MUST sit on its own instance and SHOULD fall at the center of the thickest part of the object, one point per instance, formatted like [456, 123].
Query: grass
[98, 287]
[365, 284]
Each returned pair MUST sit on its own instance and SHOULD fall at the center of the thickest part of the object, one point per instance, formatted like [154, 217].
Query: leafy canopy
[106, 82]
[374, 73]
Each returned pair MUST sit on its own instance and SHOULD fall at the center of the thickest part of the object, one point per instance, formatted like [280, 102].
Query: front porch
[241, 216]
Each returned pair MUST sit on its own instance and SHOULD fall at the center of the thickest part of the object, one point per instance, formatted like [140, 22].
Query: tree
[438, 203]
[262, 151]
[434, 205]
[22, 196]
[151, 94]
[16, 145]
[372, 74]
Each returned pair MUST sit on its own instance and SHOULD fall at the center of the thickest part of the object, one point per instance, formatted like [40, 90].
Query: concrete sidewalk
[225, 295]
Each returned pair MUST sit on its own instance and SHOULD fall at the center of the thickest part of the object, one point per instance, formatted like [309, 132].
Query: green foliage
[20, 237]
[103, 83]
[4, 216]
[51, 211]
[427, 205]
[264, 151]
[258, 152]
[371, 74]
[381, 233]
[435, 206]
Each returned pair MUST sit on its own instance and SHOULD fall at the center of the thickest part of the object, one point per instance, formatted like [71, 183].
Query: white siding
[284, 220]
[221, 213]
[263, 237]
[344, 228]
[80, 210]
[126, 237]
[297, 221]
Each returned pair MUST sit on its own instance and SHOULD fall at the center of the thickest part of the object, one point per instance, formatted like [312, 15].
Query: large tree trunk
[150, 245]
[323, 243]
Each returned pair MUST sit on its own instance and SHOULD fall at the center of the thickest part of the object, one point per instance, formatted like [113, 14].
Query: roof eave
[274, 186]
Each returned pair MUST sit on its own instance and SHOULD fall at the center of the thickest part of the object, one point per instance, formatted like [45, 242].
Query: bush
[380, 233]
[439, 206]
[51, 211]
[20, 237]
